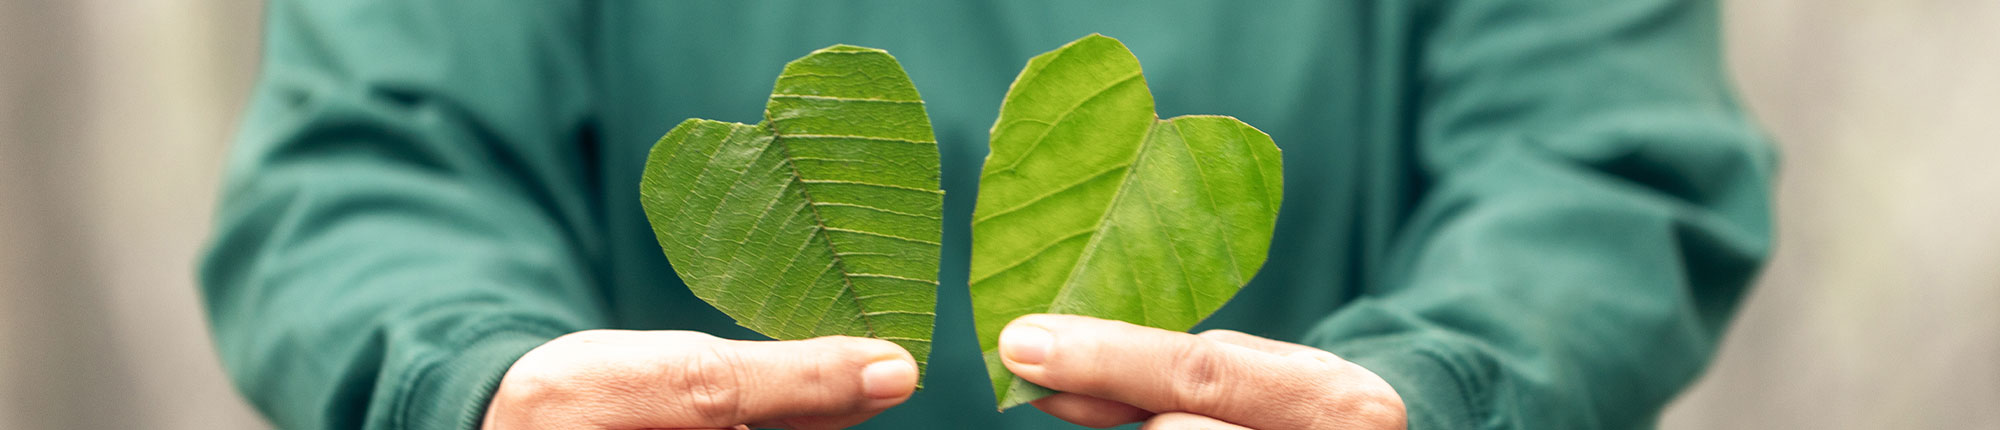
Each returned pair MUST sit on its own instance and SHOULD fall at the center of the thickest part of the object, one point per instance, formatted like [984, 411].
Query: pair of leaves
[825, 218]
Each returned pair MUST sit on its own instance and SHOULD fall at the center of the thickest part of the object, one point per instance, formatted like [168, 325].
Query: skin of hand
[1112, 373]
[617, 379]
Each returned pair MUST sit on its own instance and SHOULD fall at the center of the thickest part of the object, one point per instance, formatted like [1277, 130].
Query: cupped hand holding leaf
[1089, 204]
[824, 219]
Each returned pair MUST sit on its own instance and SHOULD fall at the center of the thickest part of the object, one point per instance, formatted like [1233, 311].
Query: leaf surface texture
[824, 219]
[1090, 204]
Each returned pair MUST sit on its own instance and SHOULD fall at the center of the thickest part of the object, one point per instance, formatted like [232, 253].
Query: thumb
[821, 382]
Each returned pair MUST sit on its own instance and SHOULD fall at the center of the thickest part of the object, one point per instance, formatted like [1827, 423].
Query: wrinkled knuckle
[710, 382]
[1381, 410]
[542, 377]
[536, 399]
[1077, 366]
[1367, 414]
[1199, 378]
[533, 390]
[816, 373]
[1363, 406]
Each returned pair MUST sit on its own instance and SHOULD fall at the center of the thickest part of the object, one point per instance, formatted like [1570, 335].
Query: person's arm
[406, 210]
[1596, 203]
[408, 228]
[1591, 205]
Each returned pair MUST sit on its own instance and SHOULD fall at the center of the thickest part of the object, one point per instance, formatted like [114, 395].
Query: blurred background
[1881, 310]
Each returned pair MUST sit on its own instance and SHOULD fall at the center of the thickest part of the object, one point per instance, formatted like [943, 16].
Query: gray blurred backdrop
[1882, 309]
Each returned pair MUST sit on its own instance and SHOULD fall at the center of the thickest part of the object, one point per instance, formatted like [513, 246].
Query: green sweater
[1521, 213]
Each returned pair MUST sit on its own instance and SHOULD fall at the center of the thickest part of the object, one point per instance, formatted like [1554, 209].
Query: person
[1508, 214]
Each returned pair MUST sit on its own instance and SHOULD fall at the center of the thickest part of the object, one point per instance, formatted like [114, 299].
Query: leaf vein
[1090, 248]
[889, 276]
[1208, 193]
[872, 208]
[832, 249]
[881, 313]
[869, 184]
[1045, 196]
[886, 235]
[1043, 137]
[854, 137]
[1032, 255]
[843, 99]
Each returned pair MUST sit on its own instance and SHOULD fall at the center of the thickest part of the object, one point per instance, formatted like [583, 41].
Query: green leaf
[1090, 204]
[824, 219]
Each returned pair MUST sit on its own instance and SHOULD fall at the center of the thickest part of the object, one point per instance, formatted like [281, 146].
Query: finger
[1090, 411]
[1187, 421]
[1163, 371]
[827, 382]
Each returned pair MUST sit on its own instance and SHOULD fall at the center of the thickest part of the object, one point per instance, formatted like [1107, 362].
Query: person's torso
[1297, 70]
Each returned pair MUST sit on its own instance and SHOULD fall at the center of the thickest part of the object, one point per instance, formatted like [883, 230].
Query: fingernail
[1025, 344]
[888, 379]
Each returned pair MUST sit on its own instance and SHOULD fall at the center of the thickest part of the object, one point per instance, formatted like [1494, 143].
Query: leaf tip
[1096, 38]
[693, 122]
[846, 48]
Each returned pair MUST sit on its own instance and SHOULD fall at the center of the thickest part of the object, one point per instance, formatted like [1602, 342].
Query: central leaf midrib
[1090, 248]
[820, 228]
[1097, 235]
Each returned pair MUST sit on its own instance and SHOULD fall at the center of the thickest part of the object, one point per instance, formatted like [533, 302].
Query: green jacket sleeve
[405, 210]
[1591, 205]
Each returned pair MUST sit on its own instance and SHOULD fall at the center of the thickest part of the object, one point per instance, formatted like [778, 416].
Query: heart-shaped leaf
[1090, 204]
[821, 220]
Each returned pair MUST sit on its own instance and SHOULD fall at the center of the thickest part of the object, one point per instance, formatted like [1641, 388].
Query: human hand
[616, 379]
[1112, 373]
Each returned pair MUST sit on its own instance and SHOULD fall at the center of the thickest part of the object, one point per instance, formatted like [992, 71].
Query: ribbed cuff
[1435, 396]
[454, 392]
